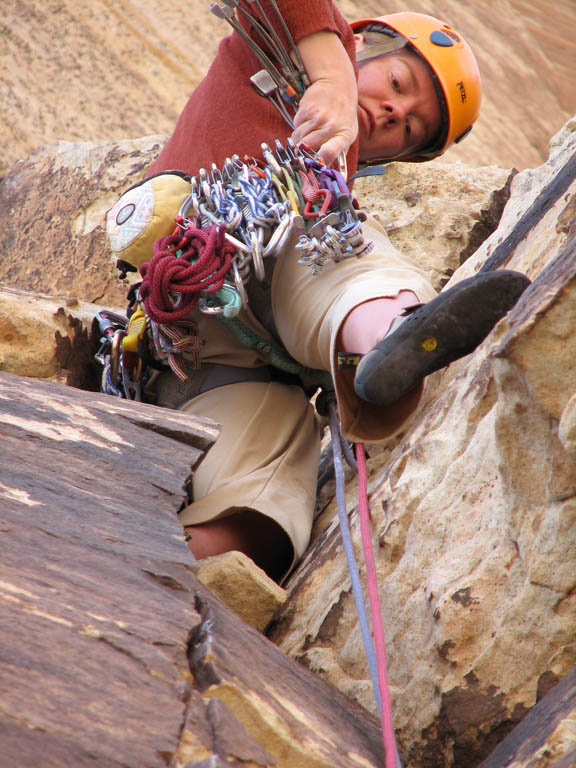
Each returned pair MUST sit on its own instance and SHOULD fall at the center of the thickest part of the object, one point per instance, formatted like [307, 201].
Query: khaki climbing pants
[266, 457]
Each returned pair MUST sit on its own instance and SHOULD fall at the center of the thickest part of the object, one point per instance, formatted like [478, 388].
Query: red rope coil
[172, 284]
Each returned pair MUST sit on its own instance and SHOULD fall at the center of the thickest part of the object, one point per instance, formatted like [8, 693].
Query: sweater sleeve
[224, 115]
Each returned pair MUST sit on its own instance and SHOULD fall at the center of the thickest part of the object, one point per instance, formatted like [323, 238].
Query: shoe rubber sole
[449, 327]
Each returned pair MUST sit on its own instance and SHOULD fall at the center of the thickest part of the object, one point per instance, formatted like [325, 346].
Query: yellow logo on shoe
[429, 344]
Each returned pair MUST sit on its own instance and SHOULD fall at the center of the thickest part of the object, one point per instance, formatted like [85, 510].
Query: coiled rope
[171, 284]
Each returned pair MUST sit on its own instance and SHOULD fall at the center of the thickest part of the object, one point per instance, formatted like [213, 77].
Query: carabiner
[294, 194]
[182, 219]
[230, 306]
[115, 355]
[257, 260]
[239, 284]
[270, 159]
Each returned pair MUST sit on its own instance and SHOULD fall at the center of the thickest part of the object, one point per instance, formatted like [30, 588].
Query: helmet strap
[378, 44]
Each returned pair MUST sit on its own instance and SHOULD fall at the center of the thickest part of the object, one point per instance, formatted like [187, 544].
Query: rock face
[473, 512]
[113, 654]
[48, 338]
[243, 587]
[86, 593]
[473, 503]
[125, 69]
[88, 179]
[437, 213]
[546, 736]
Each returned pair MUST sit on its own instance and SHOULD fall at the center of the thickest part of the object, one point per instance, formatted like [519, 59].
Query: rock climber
[400, 87]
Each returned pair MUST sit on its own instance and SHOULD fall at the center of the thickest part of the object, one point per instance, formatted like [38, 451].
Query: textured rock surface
[97, 581]
[567, 427]
[72, 185]
[299, 719]
[125, 69]
[437, 213]
[546, 737]
[113, 654]
[474, 516]
[48, 337]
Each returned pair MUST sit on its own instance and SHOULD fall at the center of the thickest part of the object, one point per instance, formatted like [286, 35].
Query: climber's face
[398, 111]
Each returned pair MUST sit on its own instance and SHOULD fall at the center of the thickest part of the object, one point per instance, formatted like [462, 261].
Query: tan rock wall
[437, 213]
[48, 338]
[474, 520]
[53, 207]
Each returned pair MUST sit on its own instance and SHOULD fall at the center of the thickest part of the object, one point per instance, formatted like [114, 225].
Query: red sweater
[224, 115]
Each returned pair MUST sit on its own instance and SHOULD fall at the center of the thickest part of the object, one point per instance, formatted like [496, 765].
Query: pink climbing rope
[374, 601]
[172, 283]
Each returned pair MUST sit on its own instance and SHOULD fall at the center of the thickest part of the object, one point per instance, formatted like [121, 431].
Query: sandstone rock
[437, 213]
[300, 720]
[567, 427]
[113, 654]
[119, 71]
[243, 587]
[97, 582]
[474, 519]
[53, 206]
[538, 219]
[47, 337]
[546, 737]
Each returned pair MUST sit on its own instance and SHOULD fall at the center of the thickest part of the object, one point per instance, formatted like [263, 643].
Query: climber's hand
[327, 118]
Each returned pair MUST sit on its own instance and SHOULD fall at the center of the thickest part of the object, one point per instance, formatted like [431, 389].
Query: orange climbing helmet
[453, 67]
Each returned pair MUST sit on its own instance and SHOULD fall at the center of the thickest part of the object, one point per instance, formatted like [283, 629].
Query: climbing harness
[232, 221]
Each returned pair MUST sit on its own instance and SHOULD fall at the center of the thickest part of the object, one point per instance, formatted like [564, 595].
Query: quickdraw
[116, 376]
[283, 79]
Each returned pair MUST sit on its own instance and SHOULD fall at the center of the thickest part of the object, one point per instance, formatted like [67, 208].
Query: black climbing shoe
[435, 334]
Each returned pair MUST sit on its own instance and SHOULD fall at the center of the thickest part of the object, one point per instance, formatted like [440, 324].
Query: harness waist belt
[168, 391]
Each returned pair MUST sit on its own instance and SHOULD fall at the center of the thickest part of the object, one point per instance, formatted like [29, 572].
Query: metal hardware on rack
[262, 203]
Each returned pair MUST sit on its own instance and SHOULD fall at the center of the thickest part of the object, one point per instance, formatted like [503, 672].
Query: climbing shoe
[435, 334]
